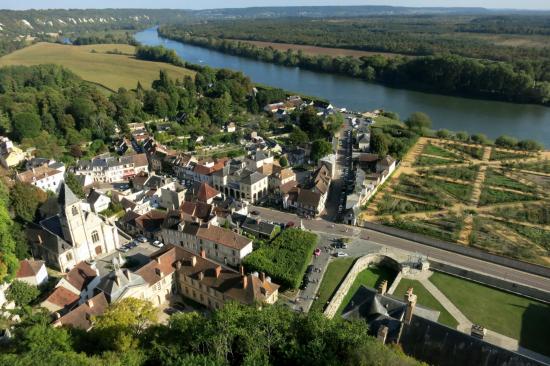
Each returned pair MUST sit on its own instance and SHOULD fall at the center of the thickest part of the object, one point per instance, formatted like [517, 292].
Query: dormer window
[75, 211]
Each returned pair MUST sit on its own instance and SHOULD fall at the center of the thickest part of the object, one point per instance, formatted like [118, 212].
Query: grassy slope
[369, 277]
[426, 299]
[108, 70]
[336, 271]
[515, 316]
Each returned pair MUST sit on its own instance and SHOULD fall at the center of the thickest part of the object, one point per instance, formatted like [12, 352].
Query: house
[329, 162]
[120, 284]
[257, 159]
[32, 272]
[74, 288]
[10, 155]
[230, 127]
[44, 177]
[277, 175]
[207, 194]
[171, 195]
[241, 183]
[305, 202]
[108, 169]
[159, 277]
[73, 235]
[259, 228]
[219, 244]
[363, 142]
[149, 224]
[81, 316]
[98, 201]
[212, 285]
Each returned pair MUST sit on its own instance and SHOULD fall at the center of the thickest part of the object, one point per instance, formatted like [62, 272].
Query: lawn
[512, 315]
[111, 71]
[472, 151]
[370, 277]
[390, 205]
[426, 299]
[466, 173]
[445, 227]
[540, 166]
[335, 273]
[503, 155]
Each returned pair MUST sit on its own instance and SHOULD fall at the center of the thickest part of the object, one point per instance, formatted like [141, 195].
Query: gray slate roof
[66, 196]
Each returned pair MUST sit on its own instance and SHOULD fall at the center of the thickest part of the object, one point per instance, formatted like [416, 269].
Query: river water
[453, 113]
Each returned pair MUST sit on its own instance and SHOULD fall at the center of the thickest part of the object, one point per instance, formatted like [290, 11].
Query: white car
[342, 254]
[142, 239]
[158, 244]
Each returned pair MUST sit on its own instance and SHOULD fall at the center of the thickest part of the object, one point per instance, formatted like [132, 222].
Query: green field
[512, 315]
[335, 273]
[425, 299]
[370, 277]
[111, 71]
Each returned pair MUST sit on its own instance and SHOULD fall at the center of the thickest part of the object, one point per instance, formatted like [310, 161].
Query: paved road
[325, 227]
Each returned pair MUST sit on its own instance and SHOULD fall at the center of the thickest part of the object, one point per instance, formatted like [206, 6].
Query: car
[341, 254]
[142, 239]
[344, 246]
[132, 244]
[310, 269]
[123, 249]
[158, 244]
[256, 213]
[290, 224]
[304, 283]
[317, 252]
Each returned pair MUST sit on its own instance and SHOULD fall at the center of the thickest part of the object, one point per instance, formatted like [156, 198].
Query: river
[453, 113]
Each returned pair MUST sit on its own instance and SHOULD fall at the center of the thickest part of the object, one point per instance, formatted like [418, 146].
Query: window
[75, 211]
[95, 236]
[216, 246]
[69, 257]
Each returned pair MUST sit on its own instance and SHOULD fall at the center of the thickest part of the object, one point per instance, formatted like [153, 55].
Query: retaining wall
[467, 251]
[498, 283]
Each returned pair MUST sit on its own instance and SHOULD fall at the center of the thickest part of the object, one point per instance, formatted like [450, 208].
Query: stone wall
[360, 264]
[460, 249]
[499, 283]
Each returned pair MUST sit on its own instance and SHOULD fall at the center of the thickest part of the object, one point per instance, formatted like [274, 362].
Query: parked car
[142, 239]
[341, 254]
[310, 269]
[123, 249]
[158, 244]
[289, 224]
[132, 244]
[256, 213]
[317, 252]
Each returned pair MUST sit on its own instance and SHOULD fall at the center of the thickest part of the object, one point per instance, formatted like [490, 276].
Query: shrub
[284, 259]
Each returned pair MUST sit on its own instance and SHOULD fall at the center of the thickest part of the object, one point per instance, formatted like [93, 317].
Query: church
[73, 234]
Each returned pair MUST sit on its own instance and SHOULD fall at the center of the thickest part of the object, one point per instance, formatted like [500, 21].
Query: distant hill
[36, 22]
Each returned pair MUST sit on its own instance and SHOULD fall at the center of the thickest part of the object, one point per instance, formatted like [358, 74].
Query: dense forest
[128, 334]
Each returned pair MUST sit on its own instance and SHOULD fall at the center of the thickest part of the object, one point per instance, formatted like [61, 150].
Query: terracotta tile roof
[222, 279]
[140, 160]
[196, 209]
[41, 172]
[151, 221]
[206, 192]
[160, 266]
[204, 170]
[80, 275]
[286, 173]
[80, 317]
[28, 268]
[62, 297]
[223, 237]
[308, 198]
[285, 188]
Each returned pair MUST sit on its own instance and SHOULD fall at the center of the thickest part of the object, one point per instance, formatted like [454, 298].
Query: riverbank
[454, 113]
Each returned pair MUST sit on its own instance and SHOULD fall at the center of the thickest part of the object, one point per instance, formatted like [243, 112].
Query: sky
[206, 4]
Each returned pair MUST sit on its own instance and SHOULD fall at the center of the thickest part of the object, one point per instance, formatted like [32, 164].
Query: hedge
[284, 259]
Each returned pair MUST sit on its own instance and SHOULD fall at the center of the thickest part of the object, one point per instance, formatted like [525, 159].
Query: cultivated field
[480, 196]
[315, 51]
[95, 64]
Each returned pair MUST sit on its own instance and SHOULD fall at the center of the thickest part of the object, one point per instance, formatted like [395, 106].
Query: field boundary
[457, 248]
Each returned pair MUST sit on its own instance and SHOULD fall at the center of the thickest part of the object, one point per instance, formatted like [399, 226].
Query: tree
[298, 137]
[479, 138]
[121, 325]
[461, 136]
[8, 260]
[443, 134]
[74, 185]
[391, 115]
[26, 125]
[283, 161]
[529, 145]
[418, 121]
[319, 149]
[506, 141]
[379, 142]
[25, 199]
[22, 293]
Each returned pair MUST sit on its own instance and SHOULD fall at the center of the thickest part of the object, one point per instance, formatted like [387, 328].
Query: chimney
[201, 275]
[245, 281]
[383, 287]
[193, 261]
[410, 299]
[218, 271]
[478, 331]
[203, 253]
[382, 334]
[90, 303]
[241, 269]
[263, 291]
[262, 276]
